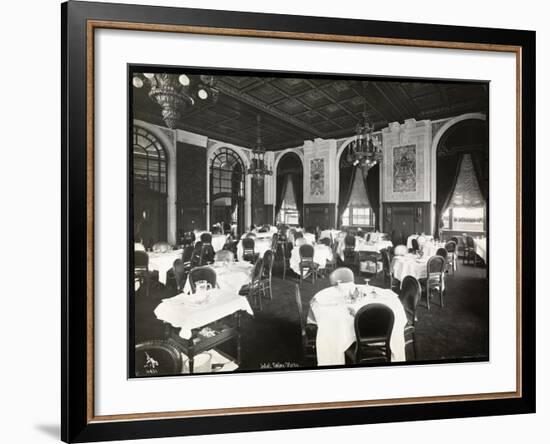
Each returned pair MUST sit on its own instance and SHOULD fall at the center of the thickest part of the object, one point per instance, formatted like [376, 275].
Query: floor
[271, 339]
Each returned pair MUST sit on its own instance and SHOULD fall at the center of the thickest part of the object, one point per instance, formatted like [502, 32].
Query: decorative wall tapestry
[404, 169]
[317, 177]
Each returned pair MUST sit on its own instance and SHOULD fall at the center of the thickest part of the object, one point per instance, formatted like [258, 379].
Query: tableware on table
[202, 363]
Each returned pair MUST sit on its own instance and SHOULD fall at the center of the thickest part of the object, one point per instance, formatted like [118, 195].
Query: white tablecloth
[138, 246]
[481, 248]
[409, 265]
[416, 236]
[376, 237]
[335, 322]
[162, 262]
[230, 277]
[321, 253]
[261, 245]
[187, 317]
[330, 234]
[362, 245]
[265, 235]
[310, 238]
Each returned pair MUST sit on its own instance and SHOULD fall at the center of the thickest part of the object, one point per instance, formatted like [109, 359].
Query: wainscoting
[407, 217]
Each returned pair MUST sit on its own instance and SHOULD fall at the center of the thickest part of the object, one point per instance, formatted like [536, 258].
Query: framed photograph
[277, 221]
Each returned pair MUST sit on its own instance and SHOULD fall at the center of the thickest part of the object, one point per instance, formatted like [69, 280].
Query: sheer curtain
[298, 185]
[347, 177]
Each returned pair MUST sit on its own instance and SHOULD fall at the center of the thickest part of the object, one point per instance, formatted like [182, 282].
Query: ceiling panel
[296, 109]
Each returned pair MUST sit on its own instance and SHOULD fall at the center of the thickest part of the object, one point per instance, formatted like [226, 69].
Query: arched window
[227, 173]
[359, 193]
[149, 161]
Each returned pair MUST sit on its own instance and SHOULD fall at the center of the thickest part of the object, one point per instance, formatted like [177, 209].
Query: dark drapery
[372, 184]
[347, 176]
[448, 168]
[298, 185]
[281, 191]
[481, 168]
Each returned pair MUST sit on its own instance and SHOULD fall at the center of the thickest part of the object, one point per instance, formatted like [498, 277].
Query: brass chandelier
[364, 150]
[175, 92]
[258, 168]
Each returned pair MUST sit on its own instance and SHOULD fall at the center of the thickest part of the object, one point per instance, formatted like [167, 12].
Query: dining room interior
[283, 221]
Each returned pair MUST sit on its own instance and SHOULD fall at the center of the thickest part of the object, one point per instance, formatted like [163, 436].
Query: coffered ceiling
[297, 109]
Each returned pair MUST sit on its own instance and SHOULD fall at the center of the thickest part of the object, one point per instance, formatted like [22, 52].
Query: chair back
[367, 237]
[206, 238]
[298, 235]
[415, 245]
[196, 255]
[189, 238]
[436, 267]
[248, 245]
[374, 323]
[250, 235]
[441, 252]
[207, 255]
[224, 256]
[450, 246]
[159, 357]
[342, 274]
[410, 296]
[268, 260]
[325, 241]
[207, 274]
[179, 273]
[396, 237]
[257, 271]
[306, 253]
[141, 260]
[349, 241]
[470, 242]
[274, 242]
[454, 239]
[187, 254]
[386, 261]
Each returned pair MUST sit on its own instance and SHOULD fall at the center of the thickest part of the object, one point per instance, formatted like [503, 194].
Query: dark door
[149, 216]
[403, 221]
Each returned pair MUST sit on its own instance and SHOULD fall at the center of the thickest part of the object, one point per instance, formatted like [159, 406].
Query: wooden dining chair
[249, 253]
[373, 325]
[415, 246]
[267, 273]
[307, 266]
[308, 332]
[141, 270]
[434, 282]
[469, 250]
[410, 295]
[203, 273]
[342, 275]
[254, 290]
[386, 268]
[157, 357]
[452, 255]
[350, 258]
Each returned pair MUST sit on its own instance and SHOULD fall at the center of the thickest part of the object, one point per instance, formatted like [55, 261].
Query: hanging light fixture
[175, 92]
[258, 168]
[364, 150]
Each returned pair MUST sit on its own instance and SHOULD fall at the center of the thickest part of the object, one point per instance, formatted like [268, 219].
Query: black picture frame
[78, 424]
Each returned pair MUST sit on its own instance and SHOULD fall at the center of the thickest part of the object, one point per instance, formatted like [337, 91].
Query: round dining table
[334, 314]
[230, 276]
[162, 262]
[261, 245]
[321, 254]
